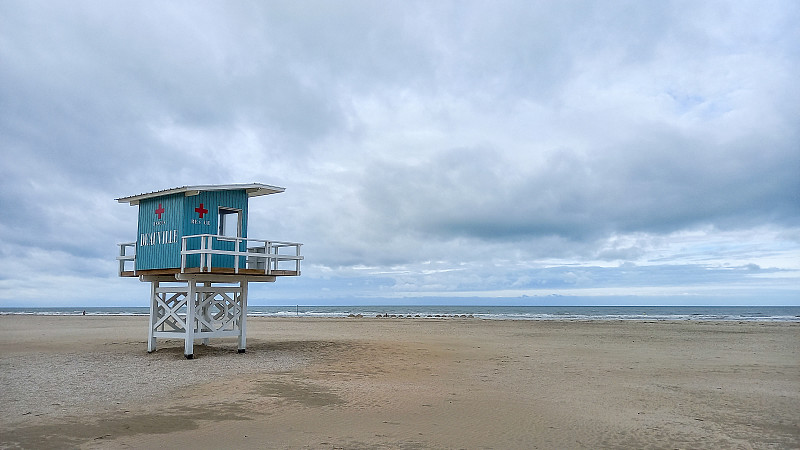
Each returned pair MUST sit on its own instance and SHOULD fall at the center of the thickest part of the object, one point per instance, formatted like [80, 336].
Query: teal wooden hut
[192, 246]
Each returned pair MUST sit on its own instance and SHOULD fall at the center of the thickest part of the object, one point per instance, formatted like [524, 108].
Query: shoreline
[441, 317]
[521, 313]
[88, 382]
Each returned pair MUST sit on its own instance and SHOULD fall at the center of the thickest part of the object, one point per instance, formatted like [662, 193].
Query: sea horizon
[489, 312]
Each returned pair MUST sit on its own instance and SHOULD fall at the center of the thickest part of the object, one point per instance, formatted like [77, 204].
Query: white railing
[266, 255]
[123, 256]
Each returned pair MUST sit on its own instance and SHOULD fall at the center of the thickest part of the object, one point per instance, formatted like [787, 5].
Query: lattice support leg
[197, 309]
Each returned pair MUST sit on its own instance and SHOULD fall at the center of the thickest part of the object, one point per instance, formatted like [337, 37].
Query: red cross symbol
[201, 210]
[160, 210]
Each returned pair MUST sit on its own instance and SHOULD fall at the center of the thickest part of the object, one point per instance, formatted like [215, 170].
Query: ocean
[705, 313]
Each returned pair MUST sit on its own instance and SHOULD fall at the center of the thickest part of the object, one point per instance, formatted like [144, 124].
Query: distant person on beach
[84, 312]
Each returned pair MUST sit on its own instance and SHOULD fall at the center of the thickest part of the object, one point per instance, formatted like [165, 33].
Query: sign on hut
[192, 247]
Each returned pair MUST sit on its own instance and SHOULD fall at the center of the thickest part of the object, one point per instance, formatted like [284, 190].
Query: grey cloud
[661, 184]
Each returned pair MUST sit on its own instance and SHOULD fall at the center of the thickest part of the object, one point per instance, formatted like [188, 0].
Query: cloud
[450, 147]
[661, 185]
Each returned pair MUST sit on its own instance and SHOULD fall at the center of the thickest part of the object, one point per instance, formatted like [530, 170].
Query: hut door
[230, 225]
[230, 222]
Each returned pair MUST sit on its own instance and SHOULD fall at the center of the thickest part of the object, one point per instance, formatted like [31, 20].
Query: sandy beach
[88, 382]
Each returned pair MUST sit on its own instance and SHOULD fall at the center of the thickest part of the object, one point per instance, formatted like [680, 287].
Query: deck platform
[251, 273]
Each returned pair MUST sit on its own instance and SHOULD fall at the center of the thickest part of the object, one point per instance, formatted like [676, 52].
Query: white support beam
[191, 302]
[210, 277]
[151, 340]
[157, 278]
[222, 278]
[242, 316]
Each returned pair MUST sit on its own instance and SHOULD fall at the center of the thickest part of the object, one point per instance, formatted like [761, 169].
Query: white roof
[253, 190]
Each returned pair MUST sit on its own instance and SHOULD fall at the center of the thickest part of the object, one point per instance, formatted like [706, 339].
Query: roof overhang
[252, 189]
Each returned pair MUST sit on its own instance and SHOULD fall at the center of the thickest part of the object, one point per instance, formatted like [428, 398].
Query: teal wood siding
[209, 224]
[159, 240]
[158, 243]
[194, 224]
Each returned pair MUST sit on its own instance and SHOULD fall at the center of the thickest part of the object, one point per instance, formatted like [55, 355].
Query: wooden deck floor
[214, 270]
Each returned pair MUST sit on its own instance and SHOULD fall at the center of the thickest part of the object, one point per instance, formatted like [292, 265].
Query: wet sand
[88, 382]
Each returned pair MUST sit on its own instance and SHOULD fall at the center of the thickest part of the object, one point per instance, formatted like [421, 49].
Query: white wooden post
[191, 301]
[151, 339]
[297, 261]
[183, 254]
[121, 261]
[236, 260]
[202, 254]
[243, 315]
[267, 262]
[273, 261]
[210, 247]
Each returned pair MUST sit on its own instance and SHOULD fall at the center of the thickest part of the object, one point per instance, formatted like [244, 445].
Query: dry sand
[88, 382]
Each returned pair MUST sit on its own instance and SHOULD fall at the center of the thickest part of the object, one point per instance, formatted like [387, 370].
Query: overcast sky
[612, 152]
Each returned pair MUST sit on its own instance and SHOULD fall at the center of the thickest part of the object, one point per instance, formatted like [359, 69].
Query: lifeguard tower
[193, 249]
